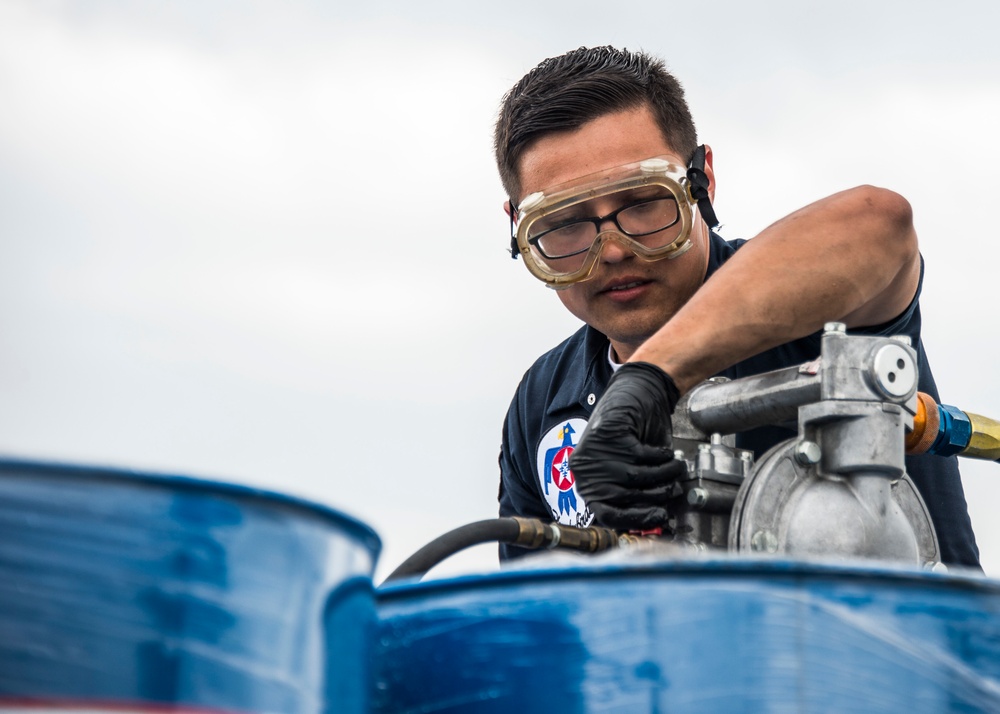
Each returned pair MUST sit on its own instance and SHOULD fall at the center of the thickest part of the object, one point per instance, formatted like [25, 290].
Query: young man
[590, 147]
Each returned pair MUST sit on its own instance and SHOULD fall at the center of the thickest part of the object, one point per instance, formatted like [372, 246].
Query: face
[626, 298]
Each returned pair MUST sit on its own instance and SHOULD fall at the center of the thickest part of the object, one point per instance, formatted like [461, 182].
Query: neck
[621, 351]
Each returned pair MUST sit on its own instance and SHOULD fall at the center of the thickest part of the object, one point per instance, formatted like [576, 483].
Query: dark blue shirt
[557, 395]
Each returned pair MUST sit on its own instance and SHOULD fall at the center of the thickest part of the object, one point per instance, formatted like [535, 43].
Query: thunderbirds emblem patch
[555, 478]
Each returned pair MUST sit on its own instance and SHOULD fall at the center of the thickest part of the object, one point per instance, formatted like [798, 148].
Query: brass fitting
[985, 440]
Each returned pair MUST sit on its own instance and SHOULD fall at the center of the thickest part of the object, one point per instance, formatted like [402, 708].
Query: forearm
[851, 257]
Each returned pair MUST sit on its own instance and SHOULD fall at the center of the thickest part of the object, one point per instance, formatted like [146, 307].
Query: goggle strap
[699, 187]
[514, 251]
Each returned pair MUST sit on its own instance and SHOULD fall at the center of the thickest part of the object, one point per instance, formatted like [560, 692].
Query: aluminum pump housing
[838, 489]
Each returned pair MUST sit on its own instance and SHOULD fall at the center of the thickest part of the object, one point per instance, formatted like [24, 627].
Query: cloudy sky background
[263, 241]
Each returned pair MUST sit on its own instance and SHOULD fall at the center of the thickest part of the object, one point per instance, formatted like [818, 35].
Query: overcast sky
[263, 241]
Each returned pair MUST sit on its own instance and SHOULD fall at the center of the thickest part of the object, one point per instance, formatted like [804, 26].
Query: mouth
[625, 290]
[625, 285]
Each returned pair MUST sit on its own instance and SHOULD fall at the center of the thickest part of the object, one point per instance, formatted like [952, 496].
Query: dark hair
[565, 92]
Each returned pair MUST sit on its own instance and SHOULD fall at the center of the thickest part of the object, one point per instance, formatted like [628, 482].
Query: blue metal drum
[140, 592]
[711, 636]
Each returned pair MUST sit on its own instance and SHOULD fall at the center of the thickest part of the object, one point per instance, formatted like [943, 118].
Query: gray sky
[263, 241]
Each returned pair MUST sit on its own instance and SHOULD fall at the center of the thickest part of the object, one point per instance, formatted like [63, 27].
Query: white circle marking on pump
[894, 371]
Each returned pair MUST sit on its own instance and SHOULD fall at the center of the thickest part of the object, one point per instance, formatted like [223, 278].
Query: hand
[624, 463]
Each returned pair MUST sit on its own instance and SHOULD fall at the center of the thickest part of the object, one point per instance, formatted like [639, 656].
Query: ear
[506, 208]
[710, 172]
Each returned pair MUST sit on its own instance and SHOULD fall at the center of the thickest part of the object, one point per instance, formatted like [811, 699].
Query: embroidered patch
[555, 477]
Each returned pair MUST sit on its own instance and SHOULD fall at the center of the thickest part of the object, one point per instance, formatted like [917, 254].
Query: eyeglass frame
[598, 220]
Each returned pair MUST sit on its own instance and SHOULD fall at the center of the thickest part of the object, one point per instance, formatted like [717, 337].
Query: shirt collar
[586, 373]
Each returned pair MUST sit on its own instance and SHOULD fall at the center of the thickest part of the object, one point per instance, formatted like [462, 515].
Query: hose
[525, 532]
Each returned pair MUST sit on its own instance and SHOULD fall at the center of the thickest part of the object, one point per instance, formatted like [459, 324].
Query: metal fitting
[985, 440]
[764, 541]
[954, 431]
[697, 497]
[808, 452]
[835, 328]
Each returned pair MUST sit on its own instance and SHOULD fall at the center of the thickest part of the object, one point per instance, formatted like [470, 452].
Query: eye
[568, 239]
[555, 222]
[571, 227]
[571, 230]
[644, 208]
[648, 216]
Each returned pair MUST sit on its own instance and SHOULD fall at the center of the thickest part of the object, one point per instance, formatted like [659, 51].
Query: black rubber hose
[502, 530]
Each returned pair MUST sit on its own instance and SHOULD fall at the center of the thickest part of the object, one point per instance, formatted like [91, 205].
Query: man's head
[589, 113]
[564, 93]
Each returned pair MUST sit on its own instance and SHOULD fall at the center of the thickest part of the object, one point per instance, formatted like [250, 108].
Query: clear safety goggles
[560, 233]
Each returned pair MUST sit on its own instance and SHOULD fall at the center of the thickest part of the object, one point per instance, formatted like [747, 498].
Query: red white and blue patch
[556, 479]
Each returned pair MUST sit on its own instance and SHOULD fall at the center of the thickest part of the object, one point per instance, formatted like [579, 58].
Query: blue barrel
[711, 636]
[141, 592]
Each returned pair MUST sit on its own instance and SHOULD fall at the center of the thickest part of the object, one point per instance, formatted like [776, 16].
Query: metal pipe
[749, 402]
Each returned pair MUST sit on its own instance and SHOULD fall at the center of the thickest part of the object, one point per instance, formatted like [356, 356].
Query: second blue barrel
[710, 636]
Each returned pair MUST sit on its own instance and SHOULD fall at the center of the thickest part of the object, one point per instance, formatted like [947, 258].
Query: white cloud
[263, 242]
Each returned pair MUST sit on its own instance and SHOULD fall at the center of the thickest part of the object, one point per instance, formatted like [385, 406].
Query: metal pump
[839, 488]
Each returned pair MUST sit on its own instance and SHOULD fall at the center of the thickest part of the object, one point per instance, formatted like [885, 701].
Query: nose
[615, 248]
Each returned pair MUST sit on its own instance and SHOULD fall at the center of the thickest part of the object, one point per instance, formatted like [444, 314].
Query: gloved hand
[624, 463]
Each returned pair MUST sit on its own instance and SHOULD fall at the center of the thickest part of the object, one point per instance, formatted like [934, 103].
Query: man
[590, 147]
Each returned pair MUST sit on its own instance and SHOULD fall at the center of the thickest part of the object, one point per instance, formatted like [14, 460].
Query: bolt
[838, 328]
[807, 452]
[764, 542]
[678, 454]
[697, 497]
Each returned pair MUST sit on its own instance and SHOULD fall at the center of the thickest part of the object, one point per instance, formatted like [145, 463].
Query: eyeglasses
[639, 219]
[561, 240]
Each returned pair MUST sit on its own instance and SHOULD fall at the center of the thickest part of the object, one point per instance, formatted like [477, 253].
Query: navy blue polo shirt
[556, 396]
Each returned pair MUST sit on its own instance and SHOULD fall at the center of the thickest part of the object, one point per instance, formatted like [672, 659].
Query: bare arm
[851, 257]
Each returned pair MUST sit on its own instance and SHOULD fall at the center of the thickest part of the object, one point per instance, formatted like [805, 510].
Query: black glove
[624, 463]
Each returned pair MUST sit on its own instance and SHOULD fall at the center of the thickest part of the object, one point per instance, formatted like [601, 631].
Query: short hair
[564, 93]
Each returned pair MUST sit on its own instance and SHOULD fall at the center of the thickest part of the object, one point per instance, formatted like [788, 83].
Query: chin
[629, 335]
[634, 328]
